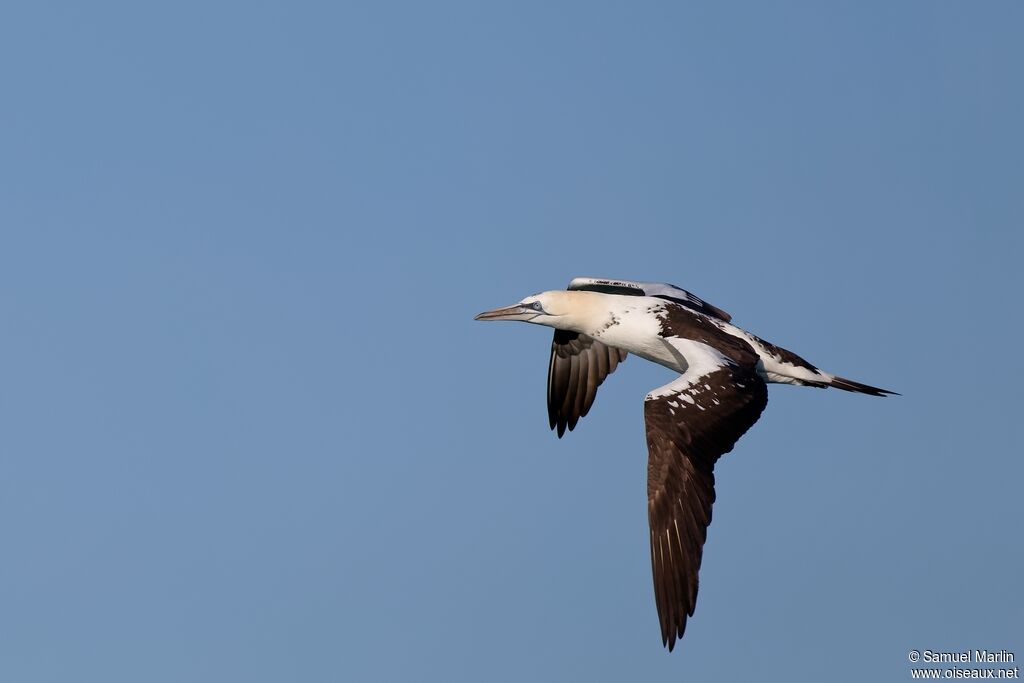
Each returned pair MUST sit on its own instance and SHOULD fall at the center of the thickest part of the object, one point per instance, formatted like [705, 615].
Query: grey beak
[513, 312]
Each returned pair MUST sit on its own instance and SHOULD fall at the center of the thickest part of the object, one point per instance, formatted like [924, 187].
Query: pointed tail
[857, 387]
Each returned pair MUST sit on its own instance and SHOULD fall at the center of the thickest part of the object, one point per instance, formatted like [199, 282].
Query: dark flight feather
[691, 422]
[579, 365]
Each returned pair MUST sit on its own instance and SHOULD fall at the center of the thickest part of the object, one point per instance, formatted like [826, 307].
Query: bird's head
[554, 309]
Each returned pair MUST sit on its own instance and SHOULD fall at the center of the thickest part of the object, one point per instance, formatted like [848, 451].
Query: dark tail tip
[857, 387]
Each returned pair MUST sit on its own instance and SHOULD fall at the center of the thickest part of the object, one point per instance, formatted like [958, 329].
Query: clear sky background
[250, 432]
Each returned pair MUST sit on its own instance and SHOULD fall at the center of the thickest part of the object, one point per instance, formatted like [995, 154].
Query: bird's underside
[690, 422]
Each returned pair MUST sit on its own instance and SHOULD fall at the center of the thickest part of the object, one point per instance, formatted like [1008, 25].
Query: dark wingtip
[670, 635]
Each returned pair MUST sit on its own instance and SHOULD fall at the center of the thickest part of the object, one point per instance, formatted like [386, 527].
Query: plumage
[684, 443]
[690, 422]
[592, 361]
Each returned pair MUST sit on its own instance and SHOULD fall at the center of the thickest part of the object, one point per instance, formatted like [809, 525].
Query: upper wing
[578, 366]
[657, 289]
[691, 422]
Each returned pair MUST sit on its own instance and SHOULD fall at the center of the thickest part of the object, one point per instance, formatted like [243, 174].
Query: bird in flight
[691, 421]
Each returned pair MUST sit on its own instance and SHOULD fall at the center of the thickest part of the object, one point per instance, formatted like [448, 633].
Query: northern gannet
[691, 421]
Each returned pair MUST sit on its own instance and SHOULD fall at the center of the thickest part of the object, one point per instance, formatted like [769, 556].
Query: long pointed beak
[513, 312]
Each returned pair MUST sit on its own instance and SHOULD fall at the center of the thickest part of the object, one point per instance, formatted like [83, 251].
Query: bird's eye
[536, 306]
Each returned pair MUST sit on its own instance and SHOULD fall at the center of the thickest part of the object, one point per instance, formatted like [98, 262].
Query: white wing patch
[700, 359]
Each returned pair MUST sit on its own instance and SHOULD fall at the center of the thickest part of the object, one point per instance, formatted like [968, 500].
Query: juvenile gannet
[691, 421]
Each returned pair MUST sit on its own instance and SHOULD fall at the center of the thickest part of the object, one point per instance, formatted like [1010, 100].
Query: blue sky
[251, 432]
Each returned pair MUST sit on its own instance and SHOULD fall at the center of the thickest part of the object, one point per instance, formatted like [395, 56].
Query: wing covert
[660, 290]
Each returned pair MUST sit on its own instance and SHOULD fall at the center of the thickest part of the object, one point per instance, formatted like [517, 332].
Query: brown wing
[691, 422]
[578, 366]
